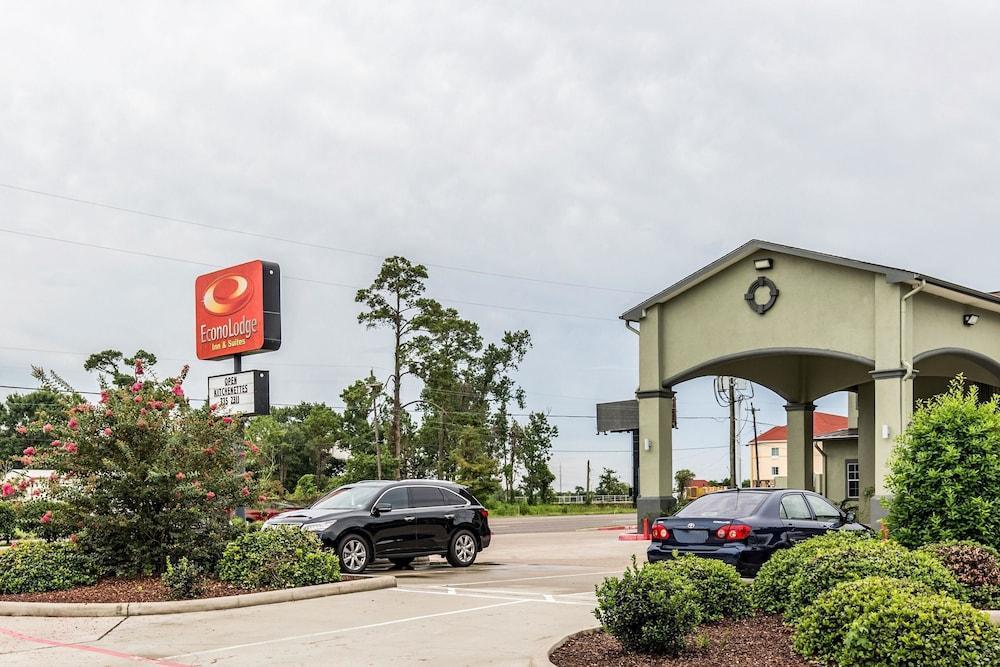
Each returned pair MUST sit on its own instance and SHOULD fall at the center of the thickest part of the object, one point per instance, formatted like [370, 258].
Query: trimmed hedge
[649, 610]
[930, 631]
[721, 591]
[867, 558]
[8, 521]
[282, 557]
[975, 566]
[770, 587]
[37, 567]
[821, 628]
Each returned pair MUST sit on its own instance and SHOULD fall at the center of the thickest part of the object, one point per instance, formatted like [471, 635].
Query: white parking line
[476, 593]
[311, 635]
[550, 576]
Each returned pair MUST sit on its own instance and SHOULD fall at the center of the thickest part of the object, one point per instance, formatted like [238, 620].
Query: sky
[572, 157]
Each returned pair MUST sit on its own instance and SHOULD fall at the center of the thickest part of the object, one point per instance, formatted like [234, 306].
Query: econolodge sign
[238, 310]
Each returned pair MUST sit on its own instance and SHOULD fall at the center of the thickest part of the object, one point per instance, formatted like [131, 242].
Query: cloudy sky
[596, 153]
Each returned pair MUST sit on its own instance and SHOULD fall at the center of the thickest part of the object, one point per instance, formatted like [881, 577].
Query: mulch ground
[138, 589]
[762, 641]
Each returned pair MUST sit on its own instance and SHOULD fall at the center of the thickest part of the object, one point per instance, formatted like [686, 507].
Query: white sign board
[243, 393]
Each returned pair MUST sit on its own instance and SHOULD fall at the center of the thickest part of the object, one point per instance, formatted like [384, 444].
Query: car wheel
[462, 550]
[401, 562]
[354, 554]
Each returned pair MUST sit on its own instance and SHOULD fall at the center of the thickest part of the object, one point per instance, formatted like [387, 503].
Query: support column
[800, 445]
[656, 470]
[893, 410]
[866, 449]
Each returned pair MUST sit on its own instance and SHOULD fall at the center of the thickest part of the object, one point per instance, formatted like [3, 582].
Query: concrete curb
[994, 616]
[562, 642]
[78, 609]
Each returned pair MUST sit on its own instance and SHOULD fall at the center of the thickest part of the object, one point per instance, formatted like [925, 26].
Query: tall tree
[609, 484]
[394, 300]
[535, 454]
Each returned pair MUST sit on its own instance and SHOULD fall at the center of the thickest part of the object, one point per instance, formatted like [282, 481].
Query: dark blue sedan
[743, 527]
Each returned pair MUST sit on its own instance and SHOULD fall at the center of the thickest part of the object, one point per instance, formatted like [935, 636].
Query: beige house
[806, 324]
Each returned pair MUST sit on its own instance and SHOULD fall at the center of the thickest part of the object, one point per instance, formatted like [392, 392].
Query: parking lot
[534, 585]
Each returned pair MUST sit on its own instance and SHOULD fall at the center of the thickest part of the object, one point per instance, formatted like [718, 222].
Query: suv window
[823, 510]
[397, 497]
[452, 498]
[794, 507]
[426, 496]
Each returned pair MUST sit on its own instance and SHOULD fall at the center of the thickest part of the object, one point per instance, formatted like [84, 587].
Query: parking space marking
[89, 649]
[548, 576]
[476, 593]
[313, 635]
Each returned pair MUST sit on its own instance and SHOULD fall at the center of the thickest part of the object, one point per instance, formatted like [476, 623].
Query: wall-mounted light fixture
[648, 444]
[886, 431]
[763, 264]
[969, 319]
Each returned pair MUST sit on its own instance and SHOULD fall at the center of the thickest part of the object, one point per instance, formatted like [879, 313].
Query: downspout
[825, 478]
[628, 325]
[902, 325]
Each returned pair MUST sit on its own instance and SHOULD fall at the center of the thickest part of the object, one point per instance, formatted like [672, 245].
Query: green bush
[820, 630]
[62, 520]
[975, 566]
[770, 587]
[184, 580]
[866, 558]
[930, 631]
[649, 610]
[8, 521]
[36, 567]
[283, 557]
[945, 471]
[722, 593]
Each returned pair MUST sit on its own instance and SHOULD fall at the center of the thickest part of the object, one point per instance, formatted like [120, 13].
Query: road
[560, 523]
[527, 591]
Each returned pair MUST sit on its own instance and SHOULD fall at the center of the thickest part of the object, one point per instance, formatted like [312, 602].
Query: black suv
[398, 520]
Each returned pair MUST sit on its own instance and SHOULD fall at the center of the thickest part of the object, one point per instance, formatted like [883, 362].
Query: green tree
[394, 300]
[474, 467]
[945, 471]
[19, 410]
[683, 479]
[609, 484]
[117, 369]
[535, 453]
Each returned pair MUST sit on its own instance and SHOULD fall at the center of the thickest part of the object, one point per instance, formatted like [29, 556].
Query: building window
[775, 451]
[774, 470]
[853, 479]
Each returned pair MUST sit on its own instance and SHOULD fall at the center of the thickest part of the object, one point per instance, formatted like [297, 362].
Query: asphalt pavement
[528, 590]
[560, 523]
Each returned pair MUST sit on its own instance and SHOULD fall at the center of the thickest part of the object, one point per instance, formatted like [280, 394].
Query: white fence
[582, 500]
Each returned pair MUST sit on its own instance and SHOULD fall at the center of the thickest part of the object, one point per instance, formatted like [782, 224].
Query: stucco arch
[946, 362]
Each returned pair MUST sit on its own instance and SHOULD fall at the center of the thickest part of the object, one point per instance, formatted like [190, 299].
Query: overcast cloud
[568, 141]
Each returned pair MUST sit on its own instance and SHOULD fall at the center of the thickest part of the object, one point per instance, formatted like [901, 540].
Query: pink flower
[57, 443]
[157, 405]
[244, 492]
[104, 397]
[180, 475]
[261, 498]
[138, 366]
[178, 390]
[21, 429]
[22, 485]
[107, 432]
[142, 411]
[108, 412]
[210, 495]
[213, 407]
[138, 399]
[243, 455]
[29, 451]
[227, 420]
[208, 451]
[73, 538]
[73, 424]
[137, 387]
[255, 449]
[8, 489]
[70, 447]
[46, 518]
[47, 428]
[36, 492]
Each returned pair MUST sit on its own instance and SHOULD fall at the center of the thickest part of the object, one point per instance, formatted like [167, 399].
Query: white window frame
[775, 451]
[848, 479]
[775, 471]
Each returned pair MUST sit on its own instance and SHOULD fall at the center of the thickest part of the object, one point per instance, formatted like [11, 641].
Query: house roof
[937, 286]
[842, 434]
[823, 423]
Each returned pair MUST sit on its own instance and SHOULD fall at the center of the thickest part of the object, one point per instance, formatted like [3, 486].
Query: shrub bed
[283, 557]
[770, 588]
[863, 559]
[975, 566]
[8, 521]
[930, 631]
[32, 567]
[721, 592]
[649, 610]
[821, 628]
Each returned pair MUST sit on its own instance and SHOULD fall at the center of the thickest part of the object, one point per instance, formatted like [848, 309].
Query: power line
[307, 244]
[330, 283]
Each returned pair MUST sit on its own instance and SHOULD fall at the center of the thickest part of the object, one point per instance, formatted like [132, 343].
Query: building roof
[823, 423]
[842, 434]
[932, 285]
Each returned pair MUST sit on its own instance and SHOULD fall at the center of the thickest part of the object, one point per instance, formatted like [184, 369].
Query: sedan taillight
[734, 532]
[660, 532]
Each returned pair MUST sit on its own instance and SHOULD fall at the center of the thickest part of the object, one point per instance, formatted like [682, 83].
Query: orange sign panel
[238, 310]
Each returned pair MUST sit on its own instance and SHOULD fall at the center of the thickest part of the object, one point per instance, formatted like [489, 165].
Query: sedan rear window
[723, 505]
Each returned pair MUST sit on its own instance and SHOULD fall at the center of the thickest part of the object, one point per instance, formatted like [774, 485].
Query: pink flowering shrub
[147, 475]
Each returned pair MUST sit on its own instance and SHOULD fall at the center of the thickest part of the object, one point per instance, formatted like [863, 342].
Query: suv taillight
[660, 532]
[484, 513]
[734, 532]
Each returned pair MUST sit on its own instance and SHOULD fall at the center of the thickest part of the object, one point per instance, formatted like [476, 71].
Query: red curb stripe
[90, 649]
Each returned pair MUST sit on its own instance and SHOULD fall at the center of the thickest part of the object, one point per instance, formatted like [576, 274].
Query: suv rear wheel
[354, 554]
[462, 551]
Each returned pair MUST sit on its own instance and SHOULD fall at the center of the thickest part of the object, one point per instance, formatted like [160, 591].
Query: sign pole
[241, 510]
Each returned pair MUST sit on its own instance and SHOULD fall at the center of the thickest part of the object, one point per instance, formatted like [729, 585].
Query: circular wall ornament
[751, 295]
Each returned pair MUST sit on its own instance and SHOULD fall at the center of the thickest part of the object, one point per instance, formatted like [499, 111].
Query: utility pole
[374, 386]
[560, 479]
[587, 496]
[756, 452]
[733, 484]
